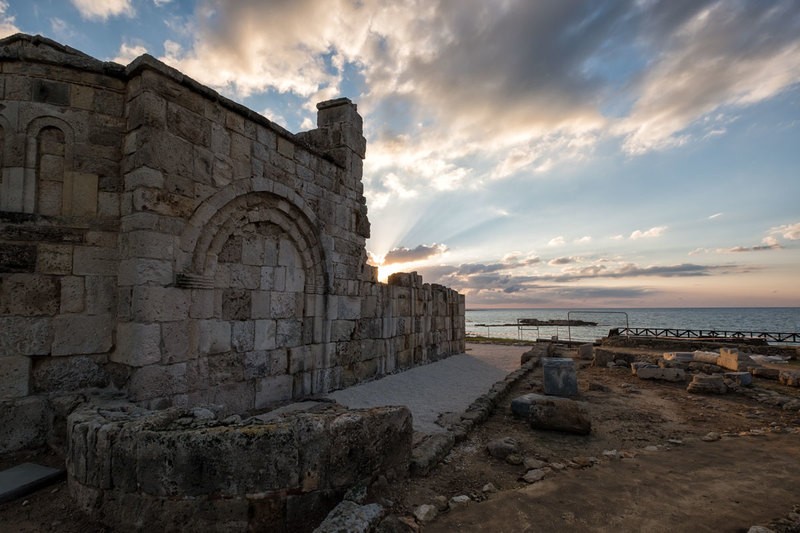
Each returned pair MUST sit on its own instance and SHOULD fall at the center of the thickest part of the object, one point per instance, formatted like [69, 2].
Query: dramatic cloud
[710, 55]
[651, 233]
[408, 255]
[103, 9]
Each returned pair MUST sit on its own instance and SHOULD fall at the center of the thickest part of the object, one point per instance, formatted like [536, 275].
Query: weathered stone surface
[742, 378]
[502, 448]
[15, 374]
[22, 423]
[534, 475]
[560, 378]
[683, 357]
[68, 374]
[538, 351]
[765, 372]
[170, 462]
[705, 357]
[732, 359]
[426, 455]
[701, 384]
[558, 414]
[351, 517]
[790, 378]
[586, 352]
[664, 374]
[425, 512]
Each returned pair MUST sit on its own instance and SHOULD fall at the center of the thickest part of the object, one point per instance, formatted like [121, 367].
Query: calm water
[770, 319]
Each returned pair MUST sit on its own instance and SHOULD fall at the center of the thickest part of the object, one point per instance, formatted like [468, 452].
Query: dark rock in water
[554, 322]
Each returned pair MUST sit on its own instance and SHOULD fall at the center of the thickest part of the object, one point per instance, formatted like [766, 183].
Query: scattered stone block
[635, 366]
[765, 372]
[705, 357]
[742, 378]
[586, 352]
[560, 378]
[532, 476]
[425, 513]
[458, 501]
[352, 517]
[790, 378]
[559, 414]
[664, 374]
[731, 359]
[683, 357]
[707, 385]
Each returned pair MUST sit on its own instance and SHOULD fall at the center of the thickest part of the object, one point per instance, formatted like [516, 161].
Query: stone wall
[164, 241]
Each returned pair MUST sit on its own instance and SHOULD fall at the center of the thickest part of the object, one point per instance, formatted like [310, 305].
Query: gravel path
[449, 385]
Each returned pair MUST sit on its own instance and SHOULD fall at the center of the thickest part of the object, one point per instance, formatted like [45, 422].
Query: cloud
[129, 52]
[789, 231]
[409, 255]
[562, 261]
[556, 241]
[7, 22]
[583, 240]
[657, 231]
[757, 248]
[103, 9]
[715, 215]
[709, 56]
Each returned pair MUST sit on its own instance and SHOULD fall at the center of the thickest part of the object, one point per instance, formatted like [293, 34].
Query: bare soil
[663, 476]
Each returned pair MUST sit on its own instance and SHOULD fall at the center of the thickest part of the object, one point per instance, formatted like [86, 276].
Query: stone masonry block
[25, 336]
[15, 375]
[214, 336]
[243, 336]
[54, 259]
[72, 294]
[81, 334]
[149, 244]
[265, 331]
[22, 423]
[158, 381]
[29, 295]
[140, 271]
[90, 260]
[137, 344]
[560, 378]
[272, 390]
[159, 304]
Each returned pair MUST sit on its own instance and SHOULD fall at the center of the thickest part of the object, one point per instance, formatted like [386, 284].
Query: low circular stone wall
[179, 469]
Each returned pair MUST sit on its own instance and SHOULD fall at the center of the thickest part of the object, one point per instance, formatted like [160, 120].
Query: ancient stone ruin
[166, 243]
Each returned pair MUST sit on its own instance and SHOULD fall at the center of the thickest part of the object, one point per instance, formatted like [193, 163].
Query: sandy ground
[449, 385]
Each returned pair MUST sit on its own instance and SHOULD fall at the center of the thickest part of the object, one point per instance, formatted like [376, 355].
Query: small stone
[531, 463]
[514, 459]
[25, 503]
[676, 442]
[458, 501]
[489, 488]
[201, 413]
[502, 448]
[425, 513]
[441, 503]
[611, 454]
[532, 476]
[711, 436]
[651, 448]
[558, 466]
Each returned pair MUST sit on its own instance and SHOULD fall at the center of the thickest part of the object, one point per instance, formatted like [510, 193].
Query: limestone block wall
[158, 238]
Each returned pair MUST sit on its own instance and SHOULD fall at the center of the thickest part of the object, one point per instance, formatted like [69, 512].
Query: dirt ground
[644, 467]
[657, 474]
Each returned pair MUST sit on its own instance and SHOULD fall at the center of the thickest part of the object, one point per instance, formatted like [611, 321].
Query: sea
[744, 319]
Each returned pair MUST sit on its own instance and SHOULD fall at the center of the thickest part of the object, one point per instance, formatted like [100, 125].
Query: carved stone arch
[49, 157]
[221, 215]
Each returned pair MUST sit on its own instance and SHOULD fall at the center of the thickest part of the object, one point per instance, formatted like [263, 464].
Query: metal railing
[569, 318]
[710, 334]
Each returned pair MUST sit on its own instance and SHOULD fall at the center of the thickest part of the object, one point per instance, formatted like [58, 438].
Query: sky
[548, 153]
